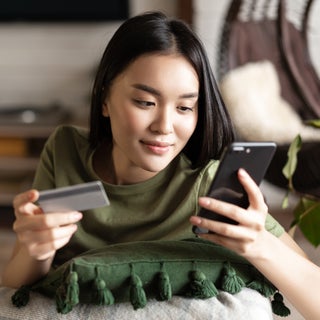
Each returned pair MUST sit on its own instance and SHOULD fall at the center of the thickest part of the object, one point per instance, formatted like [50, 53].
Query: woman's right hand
[41, 234]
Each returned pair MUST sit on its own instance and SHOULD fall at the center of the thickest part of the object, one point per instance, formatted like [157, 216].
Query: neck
[117, 172]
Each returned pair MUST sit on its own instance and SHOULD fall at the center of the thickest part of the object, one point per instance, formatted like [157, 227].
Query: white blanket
[246, 305]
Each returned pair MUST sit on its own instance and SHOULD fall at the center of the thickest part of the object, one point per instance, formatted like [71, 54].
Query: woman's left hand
[246, 238]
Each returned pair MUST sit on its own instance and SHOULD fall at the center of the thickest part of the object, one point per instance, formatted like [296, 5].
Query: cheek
[187, 127]
[131, 123]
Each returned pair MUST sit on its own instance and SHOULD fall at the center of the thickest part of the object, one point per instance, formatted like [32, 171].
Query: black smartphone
[255, 158]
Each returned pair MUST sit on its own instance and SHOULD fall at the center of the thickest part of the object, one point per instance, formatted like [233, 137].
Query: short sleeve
[273, 226]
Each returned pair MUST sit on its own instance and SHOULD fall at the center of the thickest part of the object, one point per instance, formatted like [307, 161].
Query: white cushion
[246, 305]
[252, 95]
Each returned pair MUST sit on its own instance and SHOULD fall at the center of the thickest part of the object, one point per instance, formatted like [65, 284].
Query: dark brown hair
[155, 32]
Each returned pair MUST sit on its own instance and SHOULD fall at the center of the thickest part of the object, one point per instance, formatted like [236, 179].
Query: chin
[155, 163]
[155, 169]
[156, 166]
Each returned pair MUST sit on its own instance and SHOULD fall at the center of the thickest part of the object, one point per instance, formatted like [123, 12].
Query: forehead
[162, 70]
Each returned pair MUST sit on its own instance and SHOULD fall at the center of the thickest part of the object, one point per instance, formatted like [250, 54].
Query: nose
[163, 121]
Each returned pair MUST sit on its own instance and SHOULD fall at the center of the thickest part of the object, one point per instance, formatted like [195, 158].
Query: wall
[43, 64]
[167, 6]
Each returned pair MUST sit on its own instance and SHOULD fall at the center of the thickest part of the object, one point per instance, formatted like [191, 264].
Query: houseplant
[307, 211]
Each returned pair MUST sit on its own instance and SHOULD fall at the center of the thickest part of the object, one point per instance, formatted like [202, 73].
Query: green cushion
[139, 270]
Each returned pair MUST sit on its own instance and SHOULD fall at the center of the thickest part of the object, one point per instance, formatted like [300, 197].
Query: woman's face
[153, 110]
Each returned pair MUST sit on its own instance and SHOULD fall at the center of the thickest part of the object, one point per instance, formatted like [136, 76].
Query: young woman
[158, 126]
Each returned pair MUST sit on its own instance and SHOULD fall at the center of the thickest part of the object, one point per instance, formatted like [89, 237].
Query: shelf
[19, 164]
[21, 149]
[26, 131]
[19, 160]
[10, 187]
[6, 199]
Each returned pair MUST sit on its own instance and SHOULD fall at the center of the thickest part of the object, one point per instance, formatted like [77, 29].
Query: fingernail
[30, 195]
[196, 220]
[77, 215]
[204, 201]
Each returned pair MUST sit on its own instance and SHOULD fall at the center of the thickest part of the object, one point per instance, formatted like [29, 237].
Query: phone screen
[255, 158]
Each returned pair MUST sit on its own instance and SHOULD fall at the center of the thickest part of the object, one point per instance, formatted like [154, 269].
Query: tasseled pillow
[137, 271]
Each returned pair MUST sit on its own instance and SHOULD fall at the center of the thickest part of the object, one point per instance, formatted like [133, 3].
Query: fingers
[41, 234]
[227, 230]
[244, 237]
[255, 213]
[225, 209]
[43, 244]
[28, 196]
[23, 203]
[41, 252]
[241, 238]
[48, 235]
[252, 217]
[253, 191]
[214, 226]
[46, 221]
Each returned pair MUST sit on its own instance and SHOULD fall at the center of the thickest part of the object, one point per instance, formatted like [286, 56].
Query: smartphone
[77, 197]
[255, 158]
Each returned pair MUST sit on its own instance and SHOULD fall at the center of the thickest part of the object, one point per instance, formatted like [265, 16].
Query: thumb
[23, 203]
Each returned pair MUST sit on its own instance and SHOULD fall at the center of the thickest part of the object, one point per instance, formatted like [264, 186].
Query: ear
[105, 110]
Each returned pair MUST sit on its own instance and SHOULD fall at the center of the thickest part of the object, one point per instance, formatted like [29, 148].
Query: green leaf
[307, 217]
[291, 165]
[313, 123]
[285, 202]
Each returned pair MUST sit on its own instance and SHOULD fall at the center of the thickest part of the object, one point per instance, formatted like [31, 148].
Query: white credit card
[78, 197]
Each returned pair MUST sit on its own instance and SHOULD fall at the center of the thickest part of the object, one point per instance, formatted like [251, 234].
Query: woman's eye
[185, 109]
[144, 103]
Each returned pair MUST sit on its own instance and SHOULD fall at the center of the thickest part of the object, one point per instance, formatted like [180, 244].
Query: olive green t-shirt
[156, 209]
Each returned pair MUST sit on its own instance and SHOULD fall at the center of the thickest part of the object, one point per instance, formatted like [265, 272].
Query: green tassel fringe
[102, 296]
[67, 296]
[21, 297]
[201, 287]
[138, 296]
[231, 282]
[278, 306]
[164, 286]
[264, 287]
[60, 298]
[72, 296]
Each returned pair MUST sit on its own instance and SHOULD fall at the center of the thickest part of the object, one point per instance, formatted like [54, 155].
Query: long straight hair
[154, 32]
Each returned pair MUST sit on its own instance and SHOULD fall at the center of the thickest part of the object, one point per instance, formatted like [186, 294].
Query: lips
[157, 147]
[157, 143]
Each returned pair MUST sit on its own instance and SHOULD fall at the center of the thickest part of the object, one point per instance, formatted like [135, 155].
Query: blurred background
[48, 57]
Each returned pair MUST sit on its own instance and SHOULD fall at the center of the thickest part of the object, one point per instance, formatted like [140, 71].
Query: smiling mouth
[157, 147]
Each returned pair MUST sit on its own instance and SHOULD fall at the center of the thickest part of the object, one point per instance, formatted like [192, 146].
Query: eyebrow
[156, 92]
